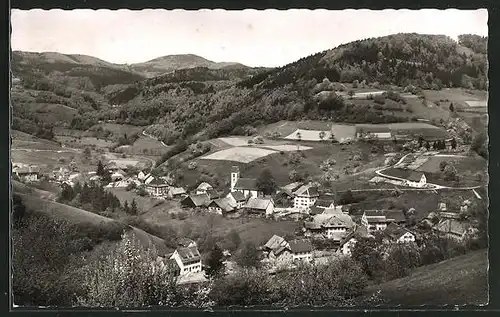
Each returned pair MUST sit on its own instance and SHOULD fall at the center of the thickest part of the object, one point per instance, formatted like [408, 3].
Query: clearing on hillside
[309, 135]
[457, 281]
[239, 154]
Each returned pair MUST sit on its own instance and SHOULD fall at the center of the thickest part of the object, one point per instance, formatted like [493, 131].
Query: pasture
[118, 129]
[416, 128]
[52, 113]
[285, 128]
[145, 146]
[457, 281]
[309, 135]
[86, 141]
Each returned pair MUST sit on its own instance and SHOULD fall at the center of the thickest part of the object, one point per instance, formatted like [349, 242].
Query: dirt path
[154, 138]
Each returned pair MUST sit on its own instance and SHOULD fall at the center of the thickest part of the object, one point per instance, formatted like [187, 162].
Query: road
[154, 138]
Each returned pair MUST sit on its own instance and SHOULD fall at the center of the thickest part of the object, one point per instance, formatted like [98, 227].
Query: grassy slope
[457, 281]
[79, 216]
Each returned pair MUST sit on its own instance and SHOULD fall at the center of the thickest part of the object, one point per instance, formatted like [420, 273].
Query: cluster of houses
[26, 172]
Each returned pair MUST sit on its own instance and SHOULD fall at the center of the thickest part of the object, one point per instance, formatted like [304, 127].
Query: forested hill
[426, 61]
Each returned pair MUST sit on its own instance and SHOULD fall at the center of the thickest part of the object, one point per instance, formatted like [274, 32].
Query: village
[320, 214]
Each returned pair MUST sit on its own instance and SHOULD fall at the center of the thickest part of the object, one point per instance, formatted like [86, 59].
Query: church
[248, 186]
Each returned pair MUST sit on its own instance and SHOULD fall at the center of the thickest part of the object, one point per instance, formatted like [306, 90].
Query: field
[256, 230]
[52, 113]
[308, 135]
[23, 140]
[457, 281]
[417, 128]
[146, 204]
[239, 154]
[84, 142]
[145, 146]
[288, 127]
[118, 129]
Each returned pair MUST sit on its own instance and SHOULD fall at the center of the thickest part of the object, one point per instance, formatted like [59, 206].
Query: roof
[257, 203]
[307, 191]
[235, 169]
[238, 196]
[198, 200]
[394, 231]
[204, 186]
[360, 232]
[316, 210]
[246, 183]
[324, 202]
[189, 255]
[291, 187]
[300, 245]
[335, 222]
[385, 216]
[452, 226]
[329, 213]
[157, 182]
[177, 191]
[395, 215]
[213, 194]
[223, 203]
[415, 176]
[275, 242]
[185, 242]
[28, 170]
[311, 225]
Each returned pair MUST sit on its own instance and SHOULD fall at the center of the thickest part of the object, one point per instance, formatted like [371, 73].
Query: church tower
[235, 175]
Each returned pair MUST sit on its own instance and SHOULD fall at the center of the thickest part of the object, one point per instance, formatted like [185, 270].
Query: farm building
[203, 188]
[454, 229]
[193, 201]
[177, 192]
[313, 210]
[397, 234]
[186, 243]
[117, 176]
[213, 194]
[301, 250]
[376, 220]
[259, 206]
[246, 185]
[221, 206]
[149, 178]
[277, 251]
[188, 259]
[305, 196]
[28, 174]
[123, 164]
[157, 187]
[347, 244]
[325, 202]
[237, 198]
[373, 130]
[416, 180]
[274, 243]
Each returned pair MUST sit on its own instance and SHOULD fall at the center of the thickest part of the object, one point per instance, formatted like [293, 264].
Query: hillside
[169, 63]
[457, 281]
[185, 103]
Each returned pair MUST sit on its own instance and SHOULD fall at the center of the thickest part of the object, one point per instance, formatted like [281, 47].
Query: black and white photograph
[239, 159]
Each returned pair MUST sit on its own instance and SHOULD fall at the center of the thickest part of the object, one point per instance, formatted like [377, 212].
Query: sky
[267, 38]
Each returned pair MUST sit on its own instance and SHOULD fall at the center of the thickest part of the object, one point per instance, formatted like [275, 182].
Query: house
[259, 206]
[157, 188]
[246, 185]
[123, 164]
[274, 243]
[290, 189]
[301, 250]
[376, 220]
[331, 224]
[148, 179]
[188, 259]
[416, 180]
[325, 202]
[237, 198]
[221, 206]
[378, 131]
[194, 201]
[316, 210]
[453, 229]
[28, 174]
[176, 192]
[397, 234]
[203, 188]
[347, 244]
[305, 197]
[95, 178]
[277, 251]
[143, 175]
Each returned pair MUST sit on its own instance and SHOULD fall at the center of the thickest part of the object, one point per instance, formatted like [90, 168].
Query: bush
[379, 99]
[130, 186]
[192, 165]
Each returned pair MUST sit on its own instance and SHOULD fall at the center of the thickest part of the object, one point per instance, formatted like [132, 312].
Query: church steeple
[235, 175]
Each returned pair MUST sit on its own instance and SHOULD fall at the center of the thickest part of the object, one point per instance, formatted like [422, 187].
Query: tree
[248, 256]
[133, 208]
[452, 108]
[427, 145]
[351, 93]
[442, 165]
[365, 252]
[401, 260]
[450, 173]
[234, 239]
[126, 207]
[480, 145]
[298, 135]
[266, 182]
[453, 143]
[87, 154]
[100, 169]
[322, 135]
[214, 261]
[128, 275]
